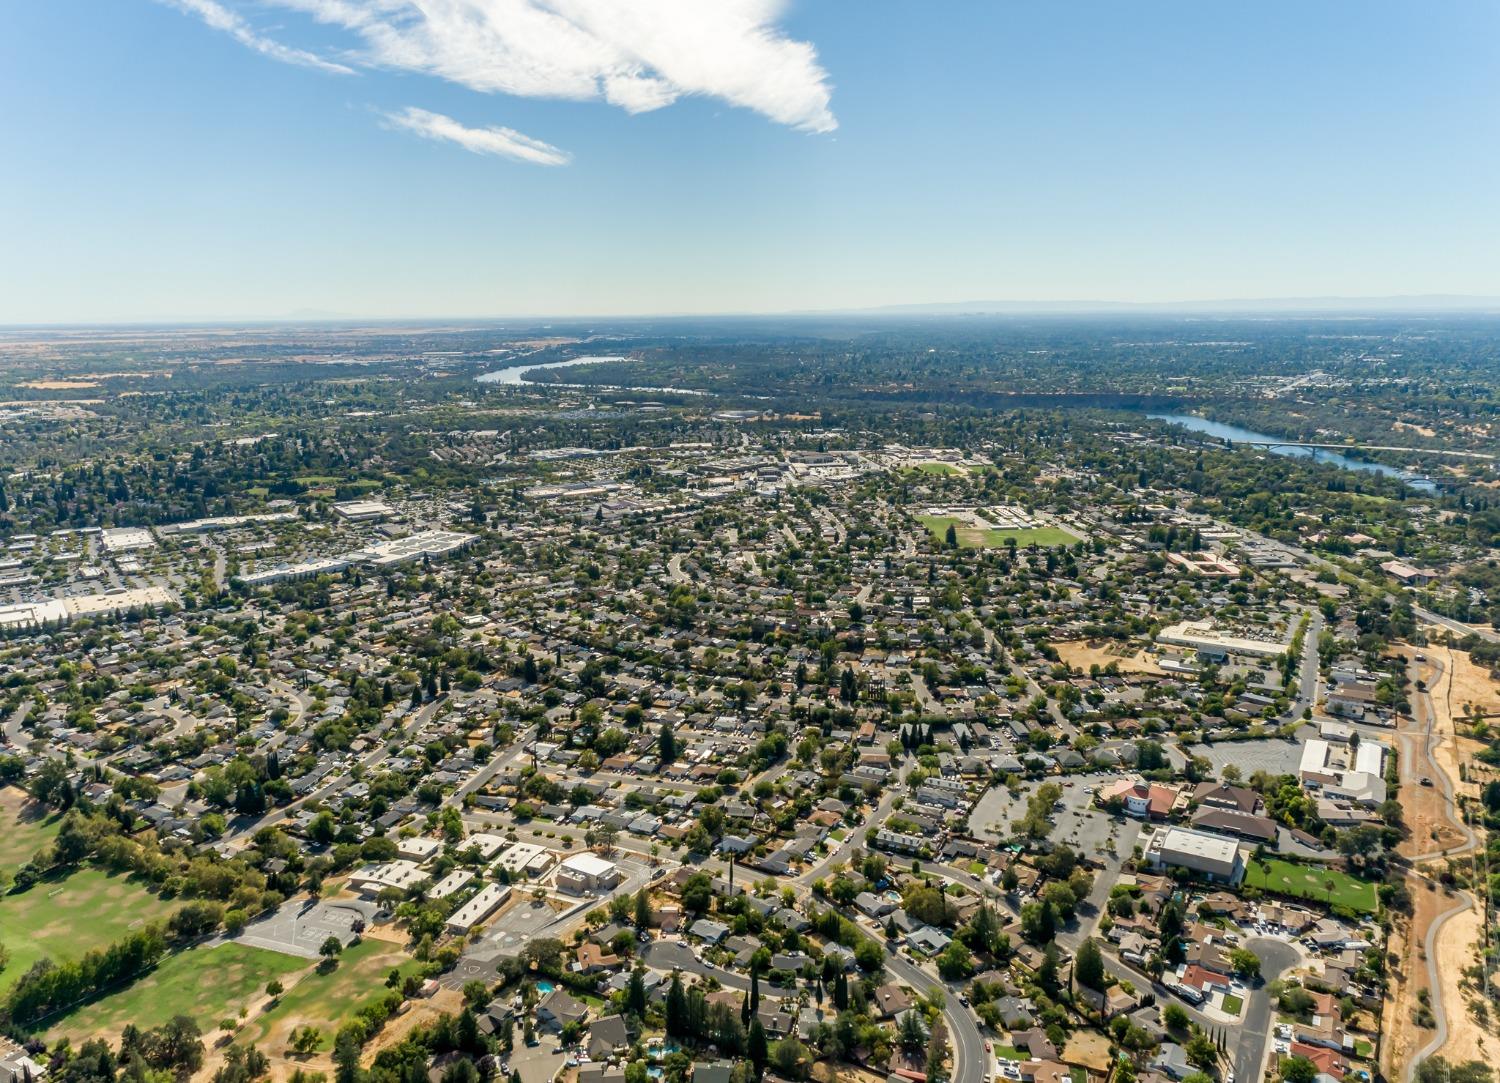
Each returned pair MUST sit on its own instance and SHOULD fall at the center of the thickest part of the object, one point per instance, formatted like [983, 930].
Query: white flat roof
[589, 865]
[1179, 840]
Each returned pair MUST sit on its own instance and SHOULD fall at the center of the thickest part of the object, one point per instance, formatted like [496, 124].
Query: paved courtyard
[300, 926]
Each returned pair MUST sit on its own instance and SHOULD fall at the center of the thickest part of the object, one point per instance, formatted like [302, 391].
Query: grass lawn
[24, 833]
[971, 537]
[1010, 1052]
[1311, 882]
[205, 984]
[1232, 1004]
[64, 918]
[324, 1000]
[937, 468]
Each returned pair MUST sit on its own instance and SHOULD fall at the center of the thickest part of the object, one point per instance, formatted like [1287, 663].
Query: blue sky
[206, 159]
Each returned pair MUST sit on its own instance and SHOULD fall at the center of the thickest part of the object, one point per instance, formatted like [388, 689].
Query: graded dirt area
[1083, 653]
[1472, 685]
[1451, 682]
[1408, 977]
[1455, 947]
[1429, 820]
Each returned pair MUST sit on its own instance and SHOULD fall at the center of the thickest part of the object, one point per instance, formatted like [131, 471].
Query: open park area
[63, 918]
[1313, 883]
[25, 828]
[206, 984]
[325, 997]
[976, 537]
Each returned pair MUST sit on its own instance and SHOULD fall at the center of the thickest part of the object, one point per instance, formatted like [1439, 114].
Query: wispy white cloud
[505, 142]
[219, 17]
[638, 55]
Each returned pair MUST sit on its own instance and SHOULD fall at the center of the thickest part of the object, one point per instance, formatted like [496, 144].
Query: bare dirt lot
[1431, 823]
[1408, 976]
[1101, 652]
[1472, 685]
[1451, 682]
[1454, 946]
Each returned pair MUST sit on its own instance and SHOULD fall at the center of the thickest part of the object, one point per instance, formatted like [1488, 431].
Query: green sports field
[325, 999]
[1312, 882]
[206, 984]
[971, 537]
[23, 828]
[64, 918]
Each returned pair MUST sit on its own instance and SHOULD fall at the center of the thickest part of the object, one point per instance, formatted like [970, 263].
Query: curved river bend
[1234, 434]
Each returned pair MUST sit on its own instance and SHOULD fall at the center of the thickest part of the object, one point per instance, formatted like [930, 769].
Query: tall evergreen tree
[758, 1050]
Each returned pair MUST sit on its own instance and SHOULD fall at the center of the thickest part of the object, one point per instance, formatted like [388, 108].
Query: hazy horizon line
[1388, 304]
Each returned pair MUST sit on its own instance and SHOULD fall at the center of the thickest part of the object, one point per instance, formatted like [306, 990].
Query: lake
[1233, 433]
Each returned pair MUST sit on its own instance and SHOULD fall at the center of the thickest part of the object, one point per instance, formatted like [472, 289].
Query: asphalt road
[675, 955]
[970, 1058]
[1253, 1033]
[970, 1061]
[1307, 674]
[1276, 957]
[1422, 709]
[1457, 627]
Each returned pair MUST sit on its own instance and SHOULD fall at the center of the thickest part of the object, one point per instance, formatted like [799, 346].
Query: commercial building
[426, 543]
[373, 879]
[1403, 571]
[126, 539]
[419, 848]
[454, 881]
[488, 845]
[1206, 564]
[285, 573]
[1345, 771]
[363, 511]
[1210, 856]
[1209, 641]
[226, 522]
[387, 554]
[583, 873]
[30, 616]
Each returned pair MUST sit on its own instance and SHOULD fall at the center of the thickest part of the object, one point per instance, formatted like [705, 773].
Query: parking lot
[1273, 756]
[1080, 825]
[301, 926]
[522, 922]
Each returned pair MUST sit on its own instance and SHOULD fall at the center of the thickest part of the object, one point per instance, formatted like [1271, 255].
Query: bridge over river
[1365, 447]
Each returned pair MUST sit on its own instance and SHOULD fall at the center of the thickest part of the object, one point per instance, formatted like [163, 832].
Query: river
[512, 375]
[1234, 434]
